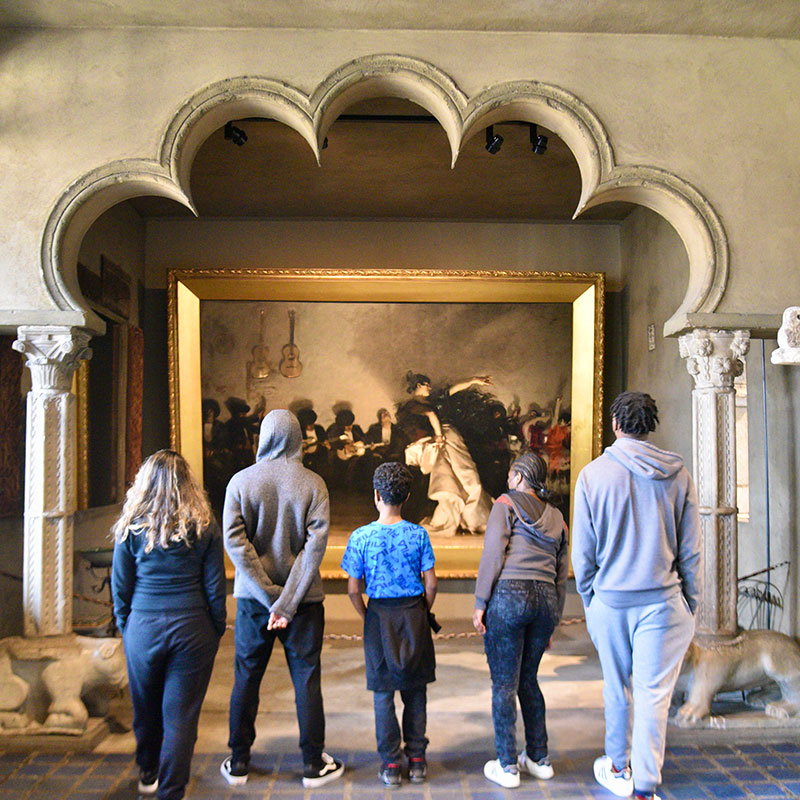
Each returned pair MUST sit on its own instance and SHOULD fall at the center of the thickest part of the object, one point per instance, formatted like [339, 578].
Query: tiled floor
[690, 773]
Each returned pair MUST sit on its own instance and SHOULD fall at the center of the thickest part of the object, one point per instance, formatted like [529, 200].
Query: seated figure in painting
[315, 442]
[217, 470]
[346, 439]
[386, 438]
[439, 450]
[242, 431]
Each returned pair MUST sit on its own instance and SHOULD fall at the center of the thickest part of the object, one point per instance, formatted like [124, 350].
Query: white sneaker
[148, 783]
[619, 783]
[541, 769]
[507, 777]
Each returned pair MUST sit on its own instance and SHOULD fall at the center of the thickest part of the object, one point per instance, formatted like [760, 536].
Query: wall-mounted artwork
[453, 389]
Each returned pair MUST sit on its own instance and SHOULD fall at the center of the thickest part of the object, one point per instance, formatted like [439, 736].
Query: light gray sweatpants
[641, 649]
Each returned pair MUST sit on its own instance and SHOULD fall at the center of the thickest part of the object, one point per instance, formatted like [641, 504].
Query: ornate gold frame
[585, 290]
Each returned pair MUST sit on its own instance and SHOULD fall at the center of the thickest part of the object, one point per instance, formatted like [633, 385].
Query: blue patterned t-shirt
[390, 558]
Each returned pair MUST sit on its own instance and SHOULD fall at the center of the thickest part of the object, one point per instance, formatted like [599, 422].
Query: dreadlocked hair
[165, 503]
[532, 468]
[392, 481]
[636, 413]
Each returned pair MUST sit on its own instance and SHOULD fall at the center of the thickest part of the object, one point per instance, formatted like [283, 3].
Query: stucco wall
[654, 268]
[717, 112]
[395, 244]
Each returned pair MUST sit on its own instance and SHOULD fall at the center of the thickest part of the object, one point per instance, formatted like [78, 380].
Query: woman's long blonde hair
[165, 502]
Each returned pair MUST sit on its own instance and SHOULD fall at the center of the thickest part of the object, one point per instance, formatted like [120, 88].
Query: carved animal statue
[789, 333]
[69, 670]
[753, 659]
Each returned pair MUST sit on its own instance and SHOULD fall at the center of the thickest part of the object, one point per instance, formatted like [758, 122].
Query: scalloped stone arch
[461, 118]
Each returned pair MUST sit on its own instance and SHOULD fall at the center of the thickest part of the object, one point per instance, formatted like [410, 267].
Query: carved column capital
[714, 357]
[52, 353]
[714, 360]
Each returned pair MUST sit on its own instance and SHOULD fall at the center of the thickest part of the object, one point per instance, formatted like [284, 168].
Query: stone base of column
[45, 681]
[752, 660]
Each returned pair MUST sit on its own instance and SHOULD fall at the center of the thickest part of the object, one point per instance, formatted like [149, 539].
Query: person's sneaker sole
[233, 780]
[148, 789]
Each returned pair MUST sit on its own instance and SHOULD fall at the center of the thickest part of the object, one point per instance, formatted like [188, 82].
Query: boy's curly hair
[392, 481]
[636, 413]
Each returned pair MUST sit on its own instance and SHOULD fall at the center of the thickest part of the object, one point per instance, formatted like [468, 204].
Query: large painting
[455, 390]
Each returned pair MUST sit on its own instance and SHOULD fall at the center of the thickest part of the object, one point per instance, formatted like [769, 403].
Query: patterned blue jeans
[520, 619]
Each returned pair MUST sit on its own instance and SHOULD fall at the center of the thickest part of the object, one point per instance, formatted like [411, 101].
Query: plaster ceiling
[382, 169]
[748, 18]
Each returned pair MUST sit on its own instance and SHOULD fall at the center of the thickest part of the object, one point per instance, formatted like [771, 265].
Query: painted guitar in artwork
[290, 366]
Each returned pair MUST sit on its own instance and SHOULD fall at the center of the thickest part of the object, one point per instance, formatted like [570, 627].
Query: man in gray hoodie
[636, 558]
[275, 526]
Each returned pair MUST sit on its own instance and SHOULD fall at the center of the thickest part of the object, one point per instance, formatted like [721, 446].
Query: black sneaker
[148, 782]
[235, 772]
[417, 770]
[390, 775]
[330, 770]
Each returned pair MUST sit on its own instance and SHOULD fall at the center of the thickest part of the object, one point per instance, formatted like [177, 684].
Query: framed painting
[505, 361]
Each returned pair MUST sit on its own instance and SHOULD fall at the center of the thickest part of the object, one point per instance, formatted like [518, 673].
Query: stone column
[52, 355]
[714, 360]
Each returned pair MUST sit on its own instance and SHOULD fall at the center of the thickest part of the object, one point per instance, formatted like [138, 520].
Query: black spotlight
[538, 143]
[493, 142]
[236, 135]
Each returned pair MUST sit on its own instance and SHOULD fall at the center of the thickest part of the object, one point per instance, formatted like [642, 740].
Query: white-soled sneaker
[507, 777]
[148, 782]
[618, 783]
[330, 770]
[235, 772]
[541, 769]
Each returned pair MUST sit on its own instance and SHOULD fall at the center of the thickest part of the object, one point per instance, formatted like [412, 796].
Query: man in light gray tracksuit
[636, 558]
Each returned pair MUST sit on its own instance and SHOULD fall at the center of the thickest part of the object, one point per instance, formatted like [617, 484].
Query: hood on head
[280, 436]
[645, 459]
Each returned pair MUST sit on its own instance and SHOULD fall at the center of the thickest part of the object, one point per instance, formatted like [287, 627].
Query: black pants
[302, 645]
[170, 656]
[387, 731]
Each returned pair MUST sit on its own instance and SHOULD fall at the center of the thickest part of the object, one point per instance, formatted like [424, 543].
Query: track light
[236, 135]
[493, 142]
[538, 143]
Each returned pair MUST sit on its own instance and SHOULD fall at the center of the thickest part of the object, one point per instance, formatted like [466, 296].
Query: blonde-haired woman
[168, 582]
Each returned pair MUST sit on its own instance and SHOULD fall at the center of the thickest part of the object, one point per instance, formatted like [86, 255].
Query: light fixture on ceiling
[493, 141]
[236, 135]
[538, 142]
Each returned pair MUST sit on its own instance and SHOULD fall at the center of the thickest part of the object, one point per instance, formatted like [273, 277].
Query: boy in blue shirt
[386, 559]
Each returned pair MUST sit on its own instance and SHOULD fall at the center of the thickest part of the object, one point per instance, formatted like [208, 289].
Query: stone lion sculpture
[751, 660]
[46, 683]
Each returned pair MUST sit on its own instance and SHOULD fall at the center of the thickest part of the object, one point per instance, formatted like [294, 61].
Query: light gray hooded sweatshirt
[275, 521]
[636, 527]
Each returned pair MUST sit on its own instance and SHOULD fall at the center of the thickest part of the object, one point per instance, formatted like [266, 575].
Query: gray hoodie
[275, 521]
[636, 527]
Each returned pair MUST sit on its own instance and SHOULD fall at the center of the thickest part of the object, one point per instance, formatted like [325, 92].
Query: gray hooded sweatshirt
[275, 521]
[636, 527]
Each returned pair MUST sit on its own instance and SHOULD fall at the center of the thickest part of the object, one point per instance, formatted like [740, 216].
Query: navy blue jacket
[179, 577]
